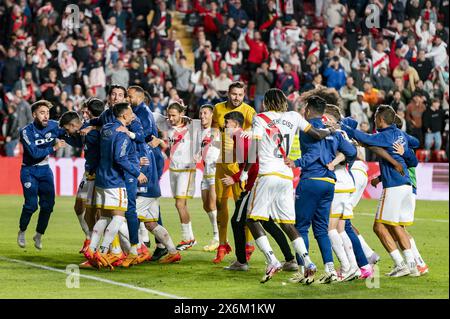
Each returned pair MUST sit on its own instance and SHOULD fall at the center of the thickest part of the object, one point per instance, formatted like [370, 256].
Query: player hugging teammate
[244, 155]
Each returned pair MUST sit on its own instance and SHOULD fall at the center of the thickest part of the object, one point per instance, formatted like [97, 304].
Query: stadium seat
[439, 156]
[423, 155]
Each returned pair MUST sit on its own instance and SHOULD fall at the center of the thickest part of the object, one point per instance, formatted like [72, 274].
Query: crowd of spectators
[370, 51]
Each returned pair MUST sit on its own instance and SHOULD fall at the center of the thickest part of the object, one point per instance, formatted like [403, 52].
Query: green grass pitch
[196, 276]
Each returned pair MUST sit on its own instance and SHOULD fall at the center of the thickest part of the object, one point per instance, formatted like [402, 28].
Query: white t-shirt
[271, 161]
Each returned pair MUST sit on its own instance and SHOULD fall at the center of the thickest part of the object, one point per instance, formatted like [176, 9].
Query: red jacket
[258, 51]
[394, 60]
[244, 147]
[208, 19]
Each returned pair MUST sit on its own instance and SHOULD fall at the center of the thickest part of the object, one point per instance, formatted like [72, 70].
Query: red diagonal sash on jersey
[162, 21]
[272, 131]
[379, 61]
[177, 137]
[313, 50]
[206, 143]
[111, 36]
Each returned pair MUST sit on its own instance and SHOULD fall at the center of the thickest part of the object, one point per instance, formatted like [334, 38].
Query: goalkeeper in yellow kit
[227, 165]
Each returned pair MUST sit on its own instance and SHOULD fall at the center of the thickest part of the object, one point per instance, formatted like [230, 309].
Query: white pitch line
[419, 219]
[107, 281]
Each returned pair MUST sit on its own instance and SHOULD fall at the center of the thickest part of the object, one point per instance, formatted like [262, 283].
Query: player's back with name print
[282, 126]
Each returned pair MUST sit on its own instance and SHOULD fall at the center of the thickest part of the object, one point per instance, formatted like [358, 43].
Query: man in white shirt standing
[360, 109]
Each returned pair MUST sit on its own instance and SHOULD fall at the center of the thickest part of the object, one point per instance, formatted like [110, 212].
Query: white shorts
[396, 206]
[341, 207]
[361, 180]
[111, 198]
[182, 183]
[147, 209]
[272, 196]
[408, 219]
[86, 190]
[209, 176]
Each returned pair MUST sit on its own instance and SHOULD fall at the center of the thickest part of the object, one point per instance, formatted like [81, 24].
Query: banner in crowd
[432, 178]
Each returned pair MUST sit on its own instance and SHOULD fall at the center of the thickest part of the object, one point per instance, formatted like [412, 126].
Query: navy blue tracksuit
[145, 115]
[35, 175]
[315, 190]
[130, 181]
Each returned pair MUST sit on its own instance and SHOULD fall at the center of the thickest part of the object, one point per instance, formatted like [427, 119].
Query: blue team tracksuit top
[38, 141]
[91, 147]
[107, 116]
[145, 115]
[317, 154]
[385, 138]
[115, 148]
[151, 172]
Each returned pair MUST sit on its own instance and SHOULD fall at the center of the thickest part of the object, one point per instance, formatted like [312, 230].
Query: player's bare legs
[421, 265]
[402, 236]
[382, 231]
[181, 205]
[388, 241]
[405, 245]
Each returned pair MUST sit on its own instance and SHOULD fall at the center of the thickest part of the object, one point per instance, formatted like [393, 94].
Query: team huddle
[244, 155]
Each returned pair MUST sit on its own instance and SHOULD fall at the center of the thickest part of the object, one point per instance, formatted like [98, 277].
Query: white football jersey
[181, 148]
[271, 161]
[344, 180]
[210, 153]
[360, 165]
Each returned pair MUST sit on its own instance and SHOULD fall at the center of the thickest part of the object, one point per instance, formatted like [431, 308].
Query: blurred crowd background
[370, 51]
